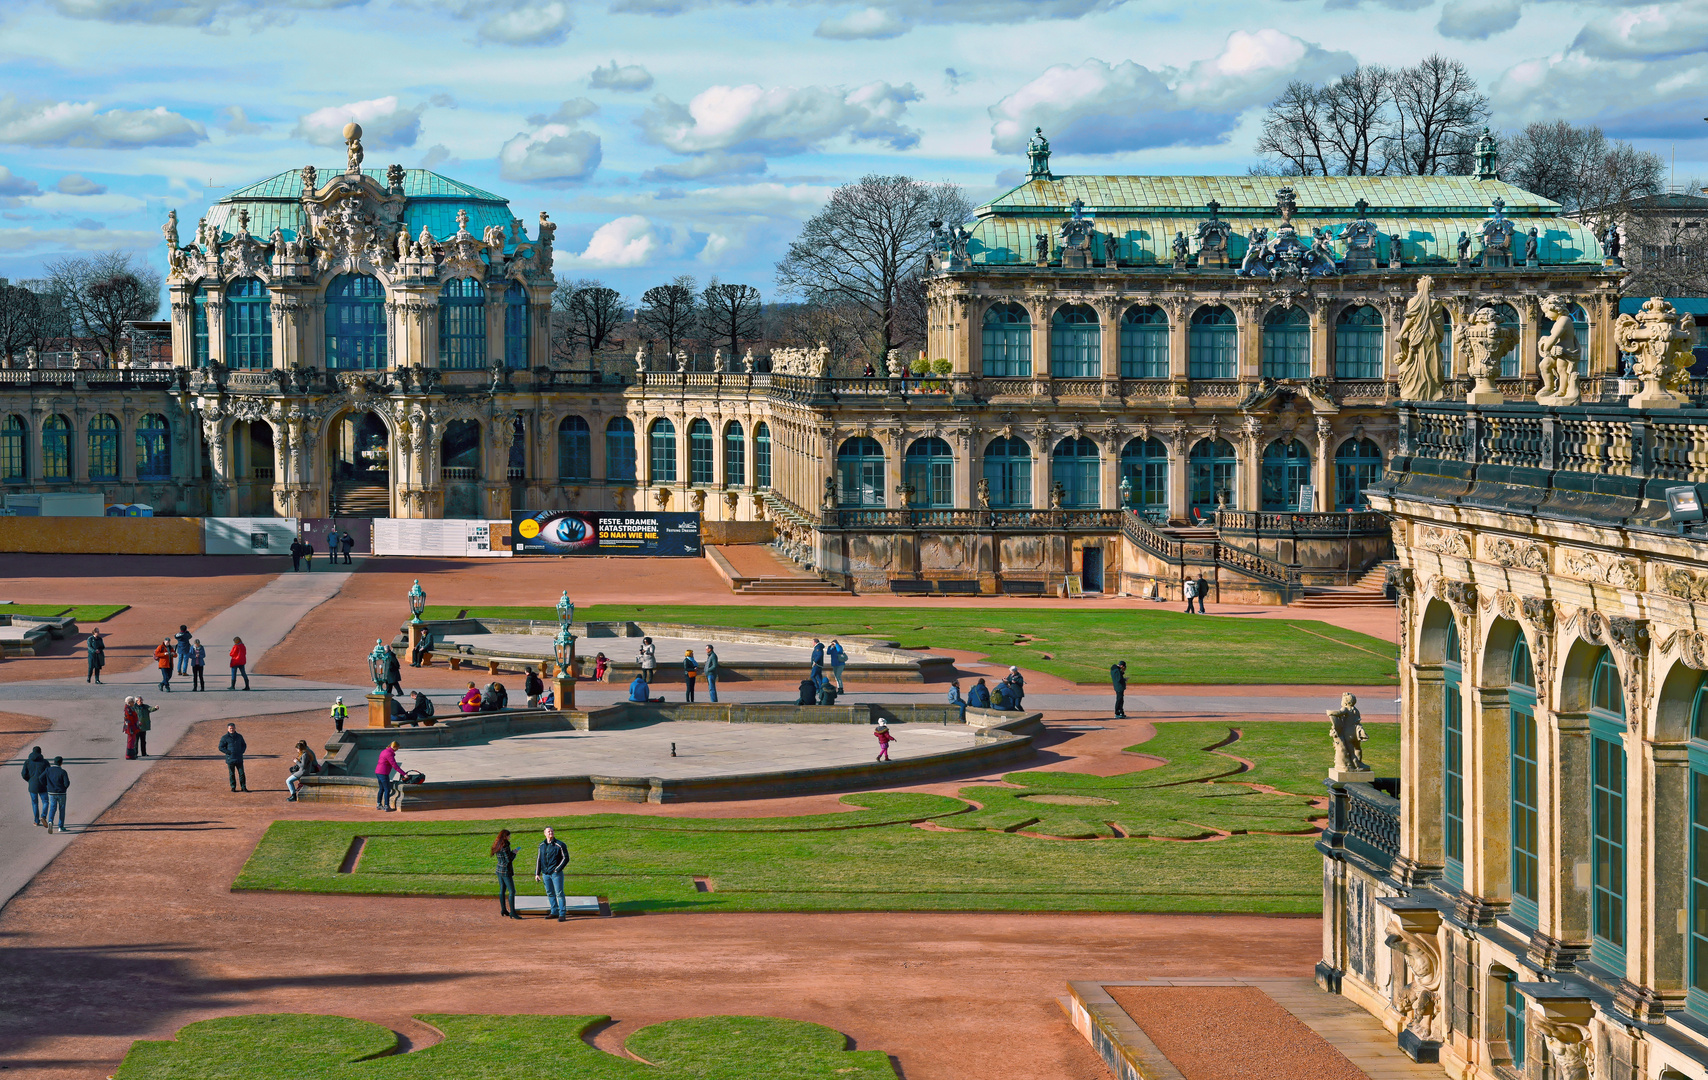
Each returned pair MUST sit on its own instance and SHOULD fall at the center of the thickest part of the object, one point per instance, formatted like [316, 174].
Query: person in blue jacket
[637, 689]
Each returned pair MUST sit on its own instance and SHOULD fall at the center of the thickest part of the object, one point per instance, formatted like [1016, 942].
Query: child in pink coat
[884, 740]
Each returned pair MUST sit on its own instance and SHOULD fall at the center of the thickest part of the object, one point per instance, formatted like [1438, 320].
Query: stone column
[1528, 336]
[216, 323]
[183, 325]
[1322, 468]
[495, 322]
[1179, 341]
[1488, 793]
[1563, 883]
[1109, 345]
[1421, 776]
[1177, 489]
[1659, 821]
[1322, 340]
[1250, 338]
[1039, 310]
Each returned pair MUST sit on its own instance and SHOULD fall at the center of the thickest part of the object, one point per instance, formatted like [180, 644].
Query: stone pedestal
[1351, 776]
[563, 691]
[1653, 397]
[379, 710]
[415, 631]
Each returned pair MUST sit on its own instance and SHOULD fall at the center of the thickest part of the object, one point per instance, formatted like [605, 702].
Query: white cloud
[1591, 90]
[519, 22]
[704, 166]
[781, 120]
[568, 113]
[888, 18]
[1099, 108]
[552, 154]
[436, 155]
[209, 14]
[384, 123]
[13, 184]
[81, 124]
[78, 184]
[867, 24]
[1476, 20]
[78, 238]
[627, 77]
[1652, 32]
[627, 241]
[234, 121]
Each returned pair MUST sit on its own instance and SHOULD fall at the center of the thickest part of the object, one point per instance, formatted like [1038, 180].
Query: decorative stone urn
[1660, 350]
[1486, 341]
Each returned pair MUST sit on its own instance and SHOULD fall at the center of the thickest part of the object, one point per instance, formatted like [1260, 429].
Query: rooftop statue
[170, 230]
[353, 147]
[1557, 356]
[1420, 345]
[1346, 724]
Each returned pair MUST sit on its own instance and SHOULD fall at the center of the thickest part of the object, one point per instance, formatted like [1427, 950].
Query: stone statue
[1486, 341]
[1126, 490]
[402, 240]
[1464, 249]
[1660, 352]
[830, 493]
[1254, 244]
[31, 359]
[1420, 345]
[1531, 257]
[1610, 243]
[170, 230]
[747, 362]
[1111, 250]
[1347, 727]
[821, 361]
[1557, 356]
[984, 493]
[1058, 495]
[958, 239]
[353, 147]
[1571, 1048]
[1181, 247]
[1041, 243]
[1421, 1005]
[892, 364]
[1396, 247]
[394, 177]
[682, 361]
[717, 359]
[641, 359]
[310, 178]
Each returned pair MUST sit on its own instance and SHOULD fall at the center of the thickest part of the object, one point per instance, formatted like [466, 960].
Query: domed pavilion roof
[432, 200]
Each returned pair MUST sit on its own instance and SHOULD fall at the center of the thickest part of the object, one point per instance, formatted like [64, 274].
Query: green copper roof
[432, 201]
[1240, 196]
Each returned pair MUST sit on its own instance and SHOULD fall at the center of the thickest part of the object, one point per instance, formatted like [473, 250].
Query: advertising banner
[604, 532]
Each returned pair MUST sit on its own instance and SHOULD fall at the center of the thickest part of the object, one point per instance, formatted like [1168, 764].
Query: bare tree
[868, 239]
[839, 327]
[30, 317]
[101, 293]
[590, 312]
[1664, 256]
[1356, 119]
[1437, 105]
[670, 312]
[1293, 131]
[730, 315]
[1581, 169]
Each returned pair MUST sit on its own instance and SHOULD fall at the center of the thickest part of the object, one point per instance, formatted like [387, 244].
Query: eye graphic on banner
[575, 532]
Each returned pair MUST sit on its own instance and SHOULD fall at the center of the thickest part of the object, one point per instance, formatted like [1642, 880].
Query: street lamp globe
[417, 601]
[378, 664]
[563, 648]
[565, 610]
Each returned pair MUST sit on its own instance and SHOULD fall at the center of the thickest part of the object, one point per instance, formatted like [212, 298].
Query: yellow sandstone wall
[102, 535]
[736, 532]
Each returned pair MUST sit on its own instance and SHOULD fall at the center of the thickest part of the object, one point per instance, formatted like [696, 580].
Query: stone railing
[1598, 440]
[1325, 524]
[785, 508]
[1372, 824]
[103, 378]
[993, 520]
[1286, 579]
[1136, 529]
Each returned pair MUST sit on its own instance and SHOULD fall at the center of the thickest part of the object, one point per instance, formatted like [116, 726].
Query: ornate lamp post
[417, 601]
[379, 702]
[377, 664]
[563, 650]
[565, 610]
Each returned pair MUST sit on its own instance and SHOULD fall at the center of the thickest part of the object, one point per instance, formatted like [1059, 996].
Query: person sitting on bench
[827, 693]
[495, 697]
[423, 651]
[638, 689]
[808, 694]
[999, 697]
[419, 709]
[979, 696]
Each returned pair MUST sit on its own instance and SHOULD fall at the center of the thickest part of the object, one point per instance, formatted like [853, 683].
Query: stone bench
[573, 905]
[57, 626]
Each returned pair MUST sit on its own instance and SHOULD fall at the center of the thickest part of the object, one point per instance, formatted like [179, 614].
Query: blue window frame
[1144, 468]
[735, 455]
[516, 326]
[355, 323]
[103, 447]
[1213, 344]
[1144, 343]
[1696, 994]
[575, 449]
[1210, 472]
[1607, 816]
[929, 466]
[56, 448]
[702, 463]
[14, 449]
[1446, 345]
[761, 455]
[1074, 465]
[248, 325]
[153, 447]
[1007, 341]
[860, 472]
[1287, 344]
[661, 451]
[199, 327]
[1357, 465]
[1075, 343]
[1008, 468]
[1286, 468]
[1512, 1009]
[1358, 344]
[1453, 759]
[462, 325]
[1580, 323]
[1510, 364]
[620, 450]
[1524, 811]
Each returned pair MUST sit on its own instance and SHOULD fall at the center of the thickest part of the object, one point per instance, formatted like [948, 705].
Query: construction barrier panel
[248, 536]
[447, 537]
[102, 535]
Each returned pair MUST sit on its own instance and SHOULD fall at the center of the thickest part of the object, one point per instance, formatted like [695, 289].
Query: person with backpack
[1189, 590]
[690, 671]
[838, 660]
[979, 696]
[56, 782]
[420, 711]
[532, 688]
[96, 648]
[340, 713]
[233, 746]
[34, 767]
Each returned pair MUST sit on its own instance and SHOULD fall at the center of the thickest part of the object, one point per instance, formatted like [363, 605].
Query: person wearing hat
[1016, 685]
[340, 713]
[690, 670]
[884, 739]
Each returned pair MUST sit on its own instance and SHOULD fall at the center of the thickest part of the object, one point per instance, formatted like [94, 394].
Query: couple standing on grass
[549, 864]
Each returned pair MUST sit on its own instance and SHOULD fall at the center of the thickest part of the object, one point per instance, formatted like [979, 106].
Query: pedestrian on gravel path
[305, 765]
[144, 724]
[233, 746]
[198, 665]
[96, 647]
[34, 767]
[182, 637]
[1189, 590]
[393, 673]
[56, 782]
[1118, 679]
[712, 664]
[296, 554]
[838, 660]
[340, 713]
[1201, 591]
[884, 739]
[383, 770]
[346, 544]
[549, 865]
[163, 661]
[690, 671]
[506, 870]
[239, 663]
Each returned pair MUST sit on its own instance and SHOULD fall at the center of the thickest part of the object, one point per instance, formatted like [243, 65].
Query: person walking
[346, 544]
[340, 713]
[144, 724]
[55, 783]
[838, 660]
[505, 855]
[1202, 590]
[96, 647]
[182, 637]
[239, 663]
[34, 767]
[296, 555]
[163, 660]
[305, 765]
[690, 671]
[532, 688]
[198, 665]
[307, 556]
[711, 667]
[233, 746]
[393, 673]
[648, 659]
[383, 770]
[882, 731]
[1189, 590]
[1118, 679]
[549, 865]
[818, 656]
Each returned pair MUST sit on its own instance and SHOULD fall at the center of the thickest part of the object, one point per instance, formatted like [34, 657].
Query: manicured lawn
[80, 612]
[1159, 646]
[304, 1046]
[995, 849]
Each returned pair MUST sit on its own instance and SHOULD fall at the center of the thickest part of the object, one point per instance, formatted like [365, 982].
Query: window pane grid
[1287, 347]
[1358, 352]
[1513, 1010]
[860, 473]
[248, 325]
[701, 468]
[762, 456]
[56, 449]
[1285, 470]
[1008, 469]
[620, 450]
[199, 328]
[103, 448]
[516, 326]
[662, 452]
[1214, 353]
[1453, 786]
[735, 456]
[1524, 810]
[1698, 995]
[1144, 467]
[14, 439]
[1075, 344]
[1075, 466]
[1210, 473]
[574, 449]
[1007, 342]
[355, 324]
[462, 325]
[1607, 852]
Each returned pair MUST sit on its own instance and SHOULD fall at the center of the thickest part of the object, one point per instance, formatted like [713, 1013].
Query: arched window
[1446, 344]
[462, 325]
[1144, 477]
[199, 326]
[762, 455]
[735, 455]
[1074, 465]
[930, 467]
[1358, 344]
[1357, 465]
[518, 465]
[1075, 343]
[516, 326]
[1144, 343]
[1008, 469]
[575, 449]
[355, 323]
[248, 325]
[860, 472]
[1580, 323]
[1697, 962]
[620, 449]
[1007, 341]
[14, 450]
[1453, 758]
[1287, 343]
[56, 448]
[1525, 811]
[459, 450]
[1607, 815]
[153, 447]
[661, 451]
[1286, 469]
[702, 464]
[1210, 471]
[104, 447]
[1511, 364]
[1213, 344]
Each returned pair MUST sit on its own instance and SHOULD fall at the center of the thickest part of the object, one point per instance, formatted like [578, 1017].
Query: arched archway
[358, 465]
[459, 468]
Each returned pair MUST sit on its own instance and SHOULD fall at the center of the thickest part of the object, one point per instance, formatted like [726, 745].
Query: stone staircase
[757, 571]
[1370, 590]
[361, 500]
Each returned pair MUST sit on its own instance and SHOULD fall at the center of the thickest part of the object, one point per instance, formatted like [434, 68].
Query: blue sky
[692, 136]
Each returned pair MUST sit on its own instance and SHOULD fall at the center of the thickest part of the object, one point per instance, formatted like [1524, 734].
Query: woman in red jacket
[163, 654]
[239, 660]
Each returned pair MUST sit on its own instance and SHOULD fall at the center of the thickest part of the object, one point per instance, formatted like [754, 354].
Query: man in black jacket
[548, 867]
[231, 744]
[57, 782]
[34, 766]
[96, 648]
[1118, 679]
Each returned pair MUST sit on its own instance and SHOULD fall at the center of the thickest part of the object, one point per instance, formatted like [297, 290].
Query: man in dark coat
[346, 544]
[231, 744]
[56, 781]
[808, 693]
[97, 651]
[296, 554]
[548, 868]
[34, 766]
[1118, 679]
[1203, 591]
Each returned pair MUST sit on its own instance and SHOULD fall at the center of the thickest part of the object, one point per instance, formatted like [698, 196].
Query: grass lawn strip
[80, 612]
[1168, 647]
[309, 1047]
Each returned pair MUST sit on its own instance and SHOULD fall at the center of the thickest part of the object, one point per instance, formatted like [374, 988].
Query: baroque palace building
[1126, 355]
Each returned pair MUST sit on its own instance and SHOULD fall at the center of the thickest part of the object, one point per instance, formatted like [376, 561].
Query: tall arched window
[104, 447]
[1007, 341]
[1213, 344]
[1525, 810]
[1446, 344]
[1075, 343]
[1357, 465]
[518, 464]
[1358, 344]
[56, 448]
[1008, 469]
[1511, 364]
[702, 463]
[1210, 472]
[516, 326]
[14, 450]
[574, 449]
[620, 449]
[1607, 815]
[355, 323]
[930, 467]
[1144, 477]
[1144, 343]
[860, 472]
[459, 450]
[1074, 465]
[661, 451]
[462, 325]
[199, 326]
[762, 455]
[735, 455]
[1453, 758]
[248, 325]
[1286, 469]
[1580, 323]
[153, 447]
[1287, 343]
